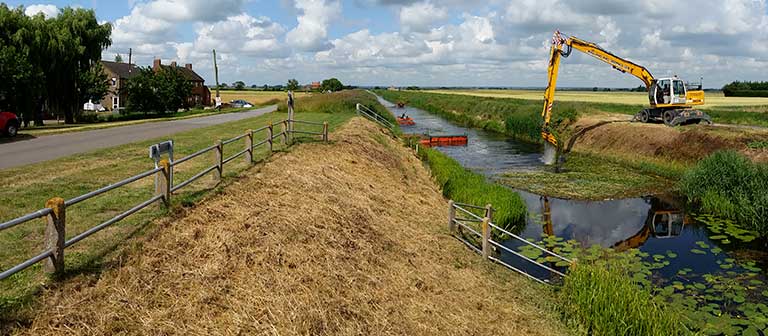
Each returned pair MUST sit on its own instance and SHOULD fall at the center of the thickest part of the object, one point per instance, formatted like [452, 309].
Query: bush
[604, 299]
[728, 184]
[464, 186]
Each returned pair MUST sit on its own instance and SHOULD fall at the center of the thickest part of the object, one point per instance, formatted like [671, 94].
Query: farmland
[713, 99]
[254, 97]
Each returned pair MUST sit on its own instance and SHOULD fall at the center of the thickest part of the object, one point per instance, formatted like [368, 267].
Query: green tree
[293, 84]
[94, 84]
[331, 84]
[119, 58]
[239, 85]
[162, 91]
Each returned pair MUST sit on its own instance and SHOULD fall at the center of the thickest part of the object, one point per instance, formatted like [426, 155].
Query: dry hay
[342, 239]
[683, 144]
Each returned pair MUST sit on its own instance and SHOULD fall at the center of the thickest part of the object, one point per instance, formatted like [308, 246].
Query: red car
[9, 124]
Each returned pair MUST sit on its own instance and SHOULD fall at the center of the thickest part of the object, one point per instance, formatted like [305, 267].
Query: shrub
[465, 186]
[728, 184]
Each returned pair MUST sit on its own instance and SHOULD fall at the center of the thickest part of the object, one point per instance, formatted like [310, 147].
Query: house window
[114, 81]
[115, 103]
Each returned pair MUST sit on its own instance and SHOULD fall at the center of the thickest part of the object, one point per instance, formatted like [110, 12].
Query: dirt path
[342, 239]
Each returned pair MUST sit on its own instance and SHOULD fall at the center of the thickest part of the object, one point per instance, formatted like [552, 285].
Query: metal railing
[459, 216]
[363, 110]
[55, 209]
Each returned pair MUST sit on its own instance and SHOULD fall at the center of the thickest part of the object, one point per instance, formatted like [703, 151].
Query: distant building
[200, 94]
[315, 86]
[118, 75]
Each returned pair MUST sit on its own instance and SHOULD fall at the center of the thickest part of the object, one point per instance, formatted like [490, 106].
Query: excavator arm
[562, 47]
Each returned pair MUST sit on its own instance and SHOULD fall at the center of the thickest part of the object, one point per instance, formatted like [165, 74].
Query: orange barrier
[407, 121]
[444, 140]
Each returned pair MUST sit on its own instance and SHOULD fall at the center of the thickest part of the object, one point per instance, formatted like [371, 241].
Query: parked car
[238, 103]
[9, 124]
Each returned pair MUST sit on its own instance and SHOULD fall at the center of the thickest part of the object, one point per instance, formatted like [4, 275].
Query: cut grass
[27, 188]
[258, 97]
[589, 177]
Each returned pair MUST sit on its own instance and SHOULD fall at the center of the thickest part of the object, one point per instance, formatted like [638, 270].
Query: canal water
[654, 225]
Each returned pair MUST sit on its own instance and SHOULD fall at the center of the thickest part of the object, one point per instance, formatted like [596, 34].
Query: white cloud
[312, 31]
[192, 10]
[420, 16]
[48, 10]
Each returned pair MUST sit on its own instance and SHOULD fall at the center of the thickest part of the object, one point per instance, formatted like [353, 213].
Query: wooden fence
[55, 209]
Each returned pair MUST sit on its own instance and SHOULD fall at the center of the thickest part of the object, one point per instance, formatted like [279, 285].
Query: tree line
[746, 89]
[51, 63]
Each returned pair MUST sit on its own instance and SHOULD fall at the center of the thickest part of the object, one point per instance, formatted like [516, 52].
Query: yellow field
[712, 99]
[254, 97]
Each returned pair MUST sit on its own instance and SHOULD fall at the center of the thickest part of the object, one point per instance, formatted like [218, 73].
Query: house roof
[124, 70]
[190, 75]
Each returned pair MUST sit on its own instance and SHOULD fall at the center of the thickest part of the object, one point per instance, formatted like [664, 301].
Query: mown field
[256, 97]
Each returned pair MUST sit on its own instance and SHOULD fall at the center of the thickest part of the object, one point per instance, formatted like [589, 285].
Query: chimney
[188, 66]
[173, 64]
[156, 65]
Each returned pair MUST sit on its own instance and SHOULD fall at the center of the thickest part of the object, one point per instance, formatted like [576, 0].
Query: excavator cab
[668, 91]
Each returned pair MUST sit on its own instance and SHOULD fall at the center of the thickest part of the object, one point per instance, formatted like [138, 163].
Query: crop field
[712, 99]
[255, 97]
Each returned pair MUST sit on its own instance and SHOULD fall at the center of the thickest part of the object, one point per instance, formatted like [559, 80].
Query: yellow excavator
[671, 99]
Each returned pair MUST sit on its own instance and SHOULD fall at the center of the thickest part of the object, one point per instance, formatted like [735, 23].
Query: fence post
[219, 171]
[486, 238]
[357, 109]
[163, 179]
[489, 212]
[325, 131]
[55, 235]
[249, 146]
[451, 216]
[269, 137]
[285, 132]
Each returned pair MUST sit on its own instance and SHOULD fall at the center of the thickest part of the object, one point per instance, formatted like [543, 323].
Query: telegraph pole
[216, 72]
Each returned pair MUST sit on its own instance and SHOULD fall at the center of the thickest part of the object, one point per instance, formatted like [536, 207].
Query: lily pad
[697, 251]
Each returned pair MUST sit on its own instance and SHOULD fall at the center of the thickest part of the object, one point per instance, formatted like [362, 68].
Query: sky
[436, 42]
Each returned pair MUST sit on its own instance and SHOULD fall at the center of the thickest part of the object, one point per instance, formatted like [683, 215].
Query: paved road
[43, 148]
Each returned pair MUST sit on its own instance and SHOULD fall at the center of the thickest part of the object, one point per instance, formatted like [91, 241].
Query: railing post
[163, 179]
[489, 212]
[486, 237]
[55, 235]
[325, 131]
[249, 146]
[269, 137]
[285, 132]
[451, 216]
[357, 109]
[219, 172]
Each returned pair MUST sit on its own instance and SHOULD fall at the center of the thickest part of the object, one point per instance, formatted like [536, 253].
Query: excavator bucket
[550, 151]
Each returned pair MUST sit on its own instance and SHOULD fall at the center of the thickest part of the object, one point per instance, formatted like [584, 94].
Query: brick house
[200, 94]
[118, 75]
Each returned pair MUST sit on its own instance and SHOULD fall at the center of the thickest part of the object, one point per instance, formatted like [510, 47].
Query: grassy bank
[729, 185]
[27, 188]
[347, 238]
[464, 186]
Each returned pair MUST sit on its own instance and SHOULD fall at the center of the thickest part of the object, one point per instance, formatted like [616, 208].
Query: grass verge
[27, 188]
[465, 186]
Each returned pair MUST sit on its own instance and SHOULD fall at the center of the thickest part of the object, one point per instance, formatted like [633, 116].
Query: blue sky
[436, 42]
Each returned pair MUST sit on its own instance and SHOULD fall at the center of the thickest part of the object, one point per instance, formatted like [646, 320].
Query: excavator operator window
[678, 87]
[664, 95]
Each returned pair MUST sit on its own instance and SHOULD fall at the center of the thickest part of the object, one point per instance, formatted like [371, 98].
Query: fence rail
[457, 224]
[55, 209]
[363, 110]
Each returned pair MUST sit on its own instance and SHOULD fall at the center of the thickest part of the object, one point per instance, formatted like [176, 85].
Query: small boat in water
[407, 121]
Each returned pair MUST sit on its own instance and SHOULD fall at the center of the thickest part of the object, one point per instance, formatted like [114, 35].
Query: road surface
[44, 148]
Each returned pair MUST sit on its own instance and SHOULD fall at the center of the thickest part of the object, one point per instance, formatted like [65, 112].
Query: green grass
[27, 188]
[464, 186]
[728, 184]
[590, 177]
[603, 299]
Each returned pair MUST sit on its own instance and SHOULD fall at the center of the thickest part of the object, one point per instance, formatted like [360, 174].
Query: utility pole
[216, 72]
[130, 54]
